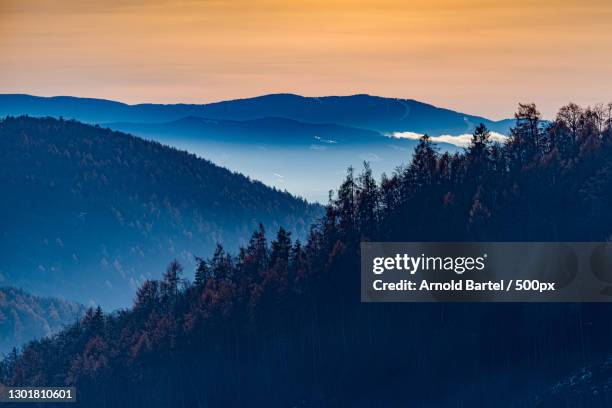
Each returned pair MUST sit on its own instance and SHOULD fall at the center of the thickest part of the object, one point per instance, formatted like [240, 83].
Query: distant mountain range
[361, 111]
[276, 131]
[24, 317]
[307, 159]
[300, 144]
[88, 213]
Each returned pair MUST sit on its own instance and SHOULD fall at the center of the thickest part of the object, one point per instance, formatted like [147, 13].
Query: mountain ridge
[281, 152]
[275, 138]
[270, 127]
[371, 112]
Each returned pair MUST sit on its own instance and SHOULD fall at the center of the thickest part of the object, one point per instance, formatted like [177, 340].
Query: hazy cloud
[328, 141]
[457, 140]
[317, 147]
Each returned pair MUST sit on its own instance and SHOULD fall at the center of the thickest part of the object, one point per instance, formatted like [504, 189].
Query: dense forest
[86, 212]
[24, 316]
[280, 323]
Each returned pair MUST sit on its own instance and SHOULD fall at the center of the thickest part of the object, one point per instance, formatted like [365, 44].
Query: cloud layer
[457, 140]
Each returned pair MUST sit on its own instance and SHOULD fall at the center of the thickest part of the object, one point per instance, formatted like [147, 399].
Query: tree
[172, 279]
[526, 134]
[478, 155]
[298, 266]
[569, 116]
[345, 204]
[367, 202]
[221, 264]
[281, 248]
[148, 295]
[422, 169]
[480, 142]
[202, 272]
[93, 319]
[257, 251]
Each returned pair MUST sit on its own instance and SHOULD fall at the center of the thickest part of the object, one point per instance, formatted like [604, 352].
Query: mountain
[275, 131]
[282, 322]
[275, 138]
[88, 213]
[305, 158]
[24, 317]
[361, 111]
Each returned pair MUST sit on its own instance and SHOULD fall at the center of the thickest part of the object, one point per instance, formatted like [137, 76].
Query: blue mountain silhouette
[362, 111]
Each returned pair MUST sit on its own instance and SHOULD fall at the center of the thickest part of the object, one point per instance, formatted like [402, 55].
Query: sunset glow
[480, 57]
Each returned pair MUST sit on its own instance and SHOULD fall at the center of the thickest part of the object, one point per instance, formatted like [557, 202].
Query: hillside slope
[283, 323]
[24, 317]
[88, 213]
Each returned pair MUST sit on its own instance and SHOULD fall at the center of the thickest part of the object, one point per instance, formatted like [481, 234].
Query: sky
[479, 57]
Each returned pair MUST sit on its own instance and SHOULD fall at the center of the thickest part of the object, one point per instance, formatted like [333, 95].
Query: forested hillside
[281, 324]
[24, 317]
[88, 213]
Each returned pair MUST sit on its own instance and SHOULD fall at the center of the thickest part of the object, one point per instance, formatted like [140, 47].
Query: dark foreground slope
[281, 325]
[88, 213]
[24, 317]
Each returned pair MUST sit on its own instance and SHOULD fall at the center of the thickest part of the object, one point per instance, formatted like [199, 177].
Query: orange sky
[480, 57]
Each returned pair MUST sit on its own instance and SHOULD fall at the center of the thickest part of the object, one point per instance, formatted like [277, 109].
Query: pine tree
[422, 169]
[258, 249]
[221, 265]
[202, 272]
[172, 279]
[367, 203]
[345, 204]
[480, 143]
[281, 248]
[298, 265]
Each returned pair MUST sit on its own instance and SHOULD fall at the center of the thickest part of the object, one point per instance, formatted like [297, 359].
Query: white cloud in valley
[457, 140]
